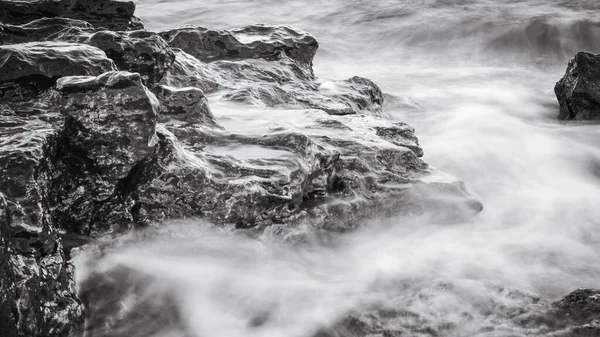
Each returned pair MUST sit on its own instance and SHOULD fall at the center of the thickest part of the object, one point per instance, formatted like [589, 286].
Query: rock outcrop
[256, 41]
[111, 14]
[578, 92]
[105, 131]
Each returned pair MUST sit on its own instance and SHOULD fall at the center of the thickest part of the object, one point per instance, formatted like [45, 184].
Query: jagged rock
[273, 83]
[578, 92]
[26, 69]
[185, 104]
[44, 29]
[255, 41]
[109, 131]
[84, 154]
[139, 51]
[111, 14]
[37, 279]
[188, 71]
[578, 313]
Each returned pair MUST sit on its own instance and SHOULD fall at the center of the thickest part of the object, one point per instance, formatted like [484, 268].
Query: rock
[152, 310]
[89, 151]
[138, 51]
[274, 83]
[27, 69]
[578, 92]
[111, 14]
[185, 104]
[44, 29]
[109, 131]
[37, 280]
[255, 41]
[580, 306]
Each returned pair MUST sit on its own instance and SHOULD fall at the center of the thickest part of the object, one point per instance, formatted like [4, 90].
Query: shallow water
[475, 78]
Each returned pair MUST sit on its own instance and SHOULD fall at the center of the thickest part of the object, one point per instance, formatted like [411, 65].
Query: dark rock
[185, 104]
[44, 29]
[152, 310]
[37, 279]
[109, 130]
[138, 51]
[111, 14]
[578, 92]
[26, 69]
[188, 71]
[582, 306]
[256, 41]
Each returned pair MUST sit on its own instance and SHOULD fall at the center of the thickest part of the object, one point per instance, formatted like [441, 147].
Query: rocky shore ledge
[106, 128]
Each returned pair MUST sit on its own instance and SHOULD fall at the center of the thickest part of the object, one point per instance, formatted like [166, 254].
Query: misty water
[475, 78]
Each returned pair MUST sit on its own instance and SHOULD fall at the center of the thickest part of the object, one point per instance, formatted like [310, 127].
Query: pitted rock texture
[275, 83]
[109, 130]
[88, 150]
[522, 313]
[138, 51]
[111, 14]
[186, 104]
[578, 92]
[255, 41]
[32, 67]
[44, 29]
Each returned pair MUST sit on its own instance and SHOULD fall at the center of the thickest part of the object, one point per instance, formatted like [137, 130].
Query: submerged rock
[111, 14]
[578, 92]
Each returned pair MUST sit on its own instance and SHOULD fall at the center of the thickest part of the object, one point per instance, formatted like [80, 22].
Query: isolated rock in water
[139, 51]
[30, 67]
[109, 130]
[111, 14]
[255, 41]
[44, 29]
[578, 92]
[185, 104]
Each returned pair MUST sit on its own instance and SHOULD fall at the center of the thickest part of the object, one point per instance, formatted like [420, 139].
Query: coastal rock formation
[138, 51]
[111, 14]
[578, 92]
[30, 68]
[108, 132]
[255, 41]
[44, 29]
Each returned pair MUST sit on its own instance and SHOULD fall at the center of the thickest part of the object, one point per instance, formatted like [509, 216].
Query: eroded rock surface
[578, 92]
[256, 41]
[111, 14]
[103, 131]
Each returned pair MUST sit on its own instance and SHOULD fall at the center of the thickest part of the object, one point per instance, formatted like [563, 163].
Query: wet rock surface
[578, 92]
[111, 14]
[256, 41]
[104, 131]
